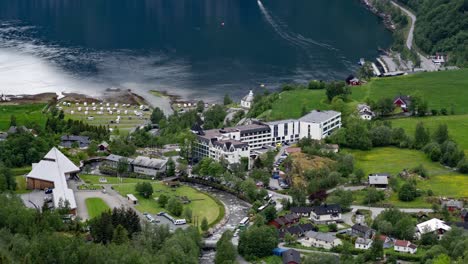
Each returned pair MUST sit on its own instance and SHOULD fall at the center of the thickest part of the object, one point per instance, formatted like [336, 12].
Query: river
[195, 49]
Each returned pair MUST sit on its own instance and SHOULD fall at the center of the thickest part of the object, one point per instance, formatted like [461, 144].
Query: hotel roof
[319, 116]
[149, 162]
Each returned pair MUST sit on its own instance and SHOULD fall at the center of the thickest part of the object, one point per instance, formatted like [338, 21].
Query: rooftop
[149, 162]
[249, 97]
[378, 179]
[327, 209]
[291, 256]
[432, 225]
[363, 241]
[321, 236]
[53, 168]
[272, 123]
[118, 158]
[317, 116]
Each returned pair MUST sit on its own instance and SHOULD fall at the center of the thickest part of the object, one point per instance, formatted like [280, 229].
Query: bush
[463, 166]
[174, 206]
[373, 196]
[145, 189]
[407, 192]
[420, 170]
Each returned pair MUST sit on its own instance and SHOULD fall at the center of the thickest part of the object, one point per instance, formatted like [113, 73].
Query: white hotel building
[235, 143]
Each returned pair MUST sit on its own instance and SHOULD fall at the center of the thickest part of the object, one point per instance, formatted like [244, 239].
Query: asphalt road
[426, 63]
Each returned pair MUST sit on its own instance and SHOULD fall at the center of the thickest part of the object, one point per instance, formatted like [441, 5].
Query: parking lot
[34, 199]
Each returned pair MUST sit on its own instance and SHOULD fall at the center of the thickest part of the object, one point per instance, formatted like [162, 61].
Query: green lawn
[291, 103]
[457, 125]
[94, 179]
[21, 185]
[25, 114]
[95, 206]
[440, 89]
[442, 181]
[393, 160]
[202, 205]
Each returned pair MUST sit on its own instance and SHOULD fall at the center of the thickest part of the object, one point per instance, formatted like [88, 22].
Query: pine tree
[120, 235]
[421, 136]
[204, 224]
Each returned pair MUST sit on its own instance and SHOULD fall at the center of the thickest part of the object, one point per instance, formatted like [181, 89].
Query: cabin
[402, 101]
[285, 221]
[297, 230]
[353, 81]
[103, 146]
[363, 243]
[362, 231]
[291, 256]
[68, 141]
[365, 112]
[378, 180]
[452, 205]
[326, 214]
[405, 246]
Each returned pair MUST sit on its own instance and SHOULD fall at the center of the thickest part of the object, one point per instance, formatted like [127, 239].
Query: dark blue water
[201, 48]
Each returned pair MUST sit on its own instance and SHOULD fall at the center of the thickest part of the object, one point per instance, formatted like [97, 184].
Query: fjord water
[195, 48]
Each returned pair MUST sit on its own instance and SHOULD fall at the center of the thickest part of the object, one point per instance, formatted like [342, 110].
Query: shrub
[145, 189]
[407, 192]
[463, 166]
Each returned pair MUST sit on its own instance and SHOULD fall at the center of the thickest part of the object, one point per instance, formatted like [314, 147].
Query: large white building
[52, 172]
[149, 166]
[235, 143]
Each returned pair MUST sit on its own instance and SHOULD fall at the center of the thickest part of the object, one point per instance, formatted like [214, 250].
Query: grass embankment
[457, 126]
[94, 179]
[96, 206]
[440, 89]
[20, 178]
[442, 181]
[25, 114]
[291, 103]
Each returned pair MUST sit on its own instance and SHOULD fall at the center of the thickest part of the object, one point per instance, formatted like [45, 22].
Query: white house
[320, 240]
[247, 101]
[365, 112]
[432, 226]
[149, 166]
[378, 180]
[405, 246]
[363, 243]
[325, 214]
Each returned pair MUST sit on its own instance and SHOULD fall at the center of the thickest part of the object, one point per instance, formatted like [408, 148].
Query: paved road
[308, 251]
[377, 210]
[347, 188]
[426, 63]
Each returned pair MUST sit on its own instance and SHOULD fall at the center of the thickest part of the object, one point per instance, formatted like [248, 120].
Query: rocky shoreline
[387, 19]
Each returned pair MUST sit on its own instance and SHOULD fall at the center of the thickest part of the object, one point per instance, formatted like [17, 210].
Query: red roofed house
[284, 221]
[403, 102]
[405, 246]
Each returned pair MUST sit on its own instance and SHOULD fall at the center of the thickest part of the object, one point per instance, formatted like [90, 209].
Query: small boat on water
[361, 61]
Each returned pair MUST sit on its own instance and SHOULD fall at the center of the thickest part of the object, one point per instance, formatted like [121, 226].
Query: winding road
[426, 63]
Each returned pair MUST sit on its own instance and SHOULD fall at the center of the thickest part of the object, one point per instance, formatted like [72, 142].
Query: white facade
[362, 243]
[408, 248]
[319, 124]
[247, 101]
[319, 240]
[149, 166]
[316, 125]
[325, 219]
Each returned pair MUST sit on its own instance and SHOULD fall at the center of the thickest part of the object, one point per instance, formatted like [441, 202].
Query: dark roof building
[303, 210]
[67, 141]
[327, 209]
[362, 231]
[284, 221]
[291, 256]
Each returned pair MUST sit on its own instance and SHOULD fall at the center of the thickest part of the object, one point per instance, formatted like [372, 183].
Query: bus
[244, 222]
[261, 208]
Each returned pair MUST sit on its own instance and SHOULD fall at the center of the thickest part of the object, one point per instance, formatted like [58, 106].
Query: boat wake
[282, 30]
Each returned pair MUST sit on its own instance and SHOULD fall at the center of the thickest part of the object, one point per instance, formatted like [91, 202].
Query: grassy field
[394, 160]
[457, 125]
[94, 179]
[202, 205]
[25, 114]
[127, 121]
[96, 206]
[442, 181]
[291, 103]
[441, 89]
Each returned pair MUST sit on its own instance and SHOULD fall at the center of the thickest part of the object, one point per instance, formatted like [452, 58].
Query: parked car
[48, 191]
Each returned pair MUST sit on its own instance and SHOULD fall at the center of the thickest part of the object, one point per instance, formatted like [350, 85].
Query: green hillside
[457, 125]
[25, 114]
[441, 89]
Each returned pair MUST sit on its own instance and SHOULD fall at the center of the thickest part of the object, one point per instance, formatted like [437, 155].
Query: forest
[442, 27]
